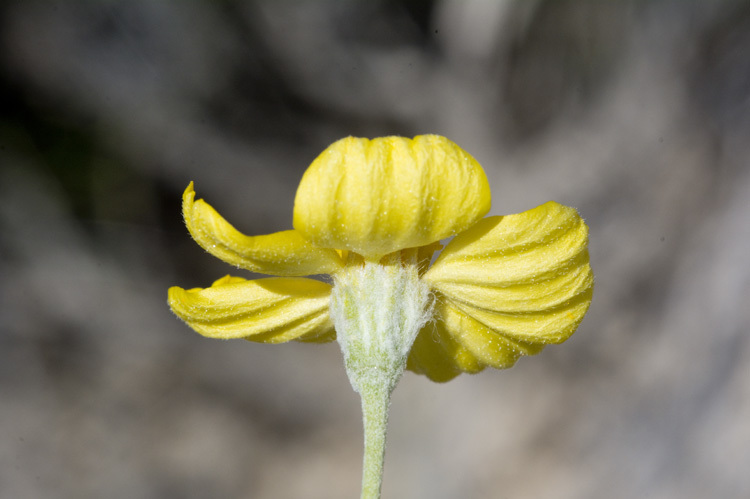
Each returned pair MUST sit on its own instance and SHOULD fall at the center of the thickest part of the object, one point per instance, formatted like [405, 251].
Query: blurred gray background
[635, 112]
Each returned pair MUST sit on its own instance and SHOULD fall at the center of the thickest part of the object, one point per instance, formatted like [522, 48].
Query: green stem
[376, 397]
[378, 309]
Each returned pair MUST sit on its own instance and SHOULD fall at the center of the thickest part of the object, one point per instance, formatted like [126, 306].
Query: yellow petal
[284, 253]
[525, 276]
[271, 310]
[378, 196]
[486, 345]
[437, 355]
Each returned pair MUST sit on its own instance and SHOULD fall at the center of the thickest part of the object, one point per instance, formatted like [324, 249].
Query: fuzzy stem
[375, 401]
[378, 309]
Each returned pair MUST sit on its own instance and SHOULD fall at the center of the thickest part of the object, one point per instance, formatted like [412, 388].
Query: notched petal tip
[270, 310]
[284, 253]
[378, 196]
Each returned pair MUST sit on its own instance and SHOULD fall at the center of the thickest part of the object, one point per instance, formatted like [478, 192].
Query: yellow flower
[503, 287]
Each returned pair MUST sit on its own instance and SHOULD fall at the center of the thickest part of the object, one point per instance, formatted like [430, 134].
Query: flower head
[504, 286]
